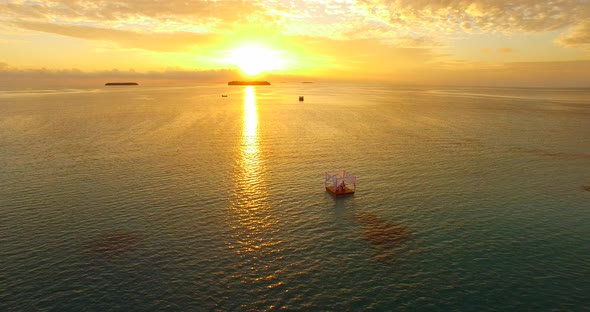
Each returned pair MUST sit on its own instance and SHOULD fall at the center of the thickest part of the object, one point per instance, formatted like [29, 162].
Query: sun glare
[253, 60]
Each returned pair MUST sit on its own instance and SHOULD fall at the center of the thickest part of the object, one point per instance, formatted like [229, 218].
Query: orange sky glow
[450, 42]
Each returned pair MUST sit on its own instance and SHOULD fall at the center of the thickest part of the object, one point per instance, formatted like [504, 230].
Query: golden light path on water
[250, 151]
[253, 226]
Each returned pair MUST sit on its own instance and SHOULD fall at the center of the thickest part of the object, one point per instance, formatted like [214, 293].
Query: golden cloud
[577, 36]
[386, 20]
[161, 42]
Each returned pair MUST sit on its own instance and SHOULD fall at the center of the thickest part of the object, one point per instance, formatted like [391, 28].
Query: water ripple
[178, 199]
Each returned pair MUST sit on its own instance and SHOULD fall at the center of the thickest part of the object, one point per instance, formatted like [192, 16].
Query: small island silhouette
[248, 83]
[121, 84]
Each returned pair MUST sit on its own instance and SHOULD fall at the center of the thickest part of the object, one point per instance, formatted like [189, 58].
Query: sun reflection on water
[250, 151]
[253, 226]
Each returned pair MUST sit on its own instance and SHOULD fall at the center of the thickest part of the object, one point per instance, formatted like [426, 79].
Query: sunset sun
[253, 60]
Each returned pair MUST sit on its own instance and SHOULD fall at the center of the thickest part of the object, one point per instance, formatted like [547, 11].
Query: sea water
[179, 198]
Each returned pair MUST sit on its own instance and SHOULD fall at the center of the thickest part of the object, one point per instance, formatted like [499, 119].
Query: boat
[340, 183]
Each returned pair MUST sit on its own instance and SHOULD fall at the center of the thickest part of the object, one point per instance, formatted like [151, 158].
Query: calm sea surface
[167, 199]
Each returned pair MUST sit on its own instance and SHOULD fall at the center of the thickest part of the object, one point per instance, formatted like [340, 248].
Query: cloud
[161, 42]
[163, 26]
[455, 72]
[577, 36]
[427, 22]
[521, 74]
[549, 74]
[195, 12]
[202, 75]
[505, 50]
[484, 16]
[74, 78]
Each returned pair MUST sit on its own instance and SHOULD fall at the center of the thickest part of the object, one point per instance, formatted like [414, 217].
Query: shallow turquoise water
[180, 199]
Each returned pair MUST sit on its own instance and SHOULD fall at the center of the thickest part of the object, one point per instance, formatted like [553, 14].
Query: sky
[526, 43]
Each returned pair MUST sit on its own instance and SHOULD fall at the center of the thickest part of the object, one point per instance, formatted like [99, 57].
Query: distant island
[248, 83]
[121, 84]
[307, 82]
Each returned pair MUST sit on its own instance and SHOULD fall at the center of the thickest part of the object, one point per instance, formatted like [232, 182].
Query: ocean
[212, 198]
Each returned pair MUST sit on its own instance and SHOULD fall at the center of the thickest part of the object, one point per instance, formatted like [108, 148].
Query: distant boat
[248, 83]
[121, 84]
[340, 183]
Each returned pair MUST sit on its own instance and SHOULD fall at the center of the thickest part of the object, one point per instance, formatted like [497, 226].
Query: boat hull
[346, 191]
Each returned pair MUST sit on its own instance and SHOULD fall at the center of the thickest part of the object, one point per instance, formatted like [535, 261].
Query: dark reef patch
[553, 154]
[381, 233]
[113, 244]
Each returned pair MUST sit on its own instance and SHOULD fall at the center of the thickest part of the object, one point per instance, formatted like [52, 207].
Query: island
[248, 83]
[121, 84]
